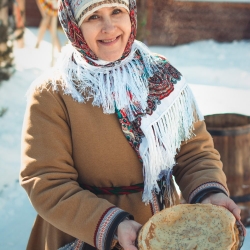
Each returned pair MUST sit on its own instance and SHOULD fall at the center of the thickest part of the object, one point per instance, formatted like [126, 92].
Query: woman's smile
[107, 31]
[109, 42]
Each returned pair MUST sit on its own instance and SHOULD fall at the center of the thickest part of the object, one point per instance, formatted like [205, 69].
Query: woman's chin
[110, 58]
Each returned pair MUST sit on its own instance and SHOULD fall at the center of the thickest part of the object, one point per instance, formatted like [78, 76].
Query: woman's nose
[108, 25]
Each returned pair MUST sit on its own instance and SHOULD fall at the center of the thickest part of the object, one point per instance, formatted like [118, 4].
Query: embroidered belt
[115, 190]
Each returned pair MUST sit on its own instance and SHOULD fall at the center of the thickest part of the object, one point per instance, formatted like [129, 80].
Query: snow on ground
[218, 73]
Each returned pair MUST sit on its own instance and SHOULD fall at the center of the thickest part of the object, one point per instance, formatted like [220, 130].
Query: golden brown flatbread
[190, 227]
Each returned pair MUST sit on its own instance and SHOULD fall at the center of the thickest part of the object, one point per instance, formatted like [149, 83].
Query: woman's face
[106, 32]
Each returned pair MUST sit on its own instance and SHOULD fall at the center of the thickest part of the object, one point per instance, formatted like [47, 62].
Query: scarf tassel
[164, 140]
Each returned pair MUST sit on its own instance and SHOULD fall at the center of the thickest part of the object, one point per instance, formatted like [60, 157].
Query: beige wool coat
[66, 143]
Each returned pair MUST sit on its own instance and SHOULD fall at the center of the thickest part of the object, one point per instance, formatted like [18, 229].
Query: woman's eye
[117, 11]
[93, 17]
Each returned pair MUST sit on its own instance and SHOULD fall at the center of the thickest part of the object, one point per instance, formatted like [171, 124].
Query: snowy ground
[219, 74]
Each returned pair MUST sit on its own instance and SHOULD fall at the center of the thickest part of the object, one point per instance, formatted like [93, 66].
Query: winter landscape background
[218, 73]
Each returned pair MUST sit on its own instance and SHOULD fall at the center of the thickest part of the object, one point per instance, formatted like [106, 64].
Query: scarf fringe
[164, 140]
[105, 86]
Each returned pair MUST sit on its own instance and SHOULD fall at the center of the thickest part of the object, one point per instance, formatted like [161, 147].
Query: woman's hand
[221, 199]
[127, 233]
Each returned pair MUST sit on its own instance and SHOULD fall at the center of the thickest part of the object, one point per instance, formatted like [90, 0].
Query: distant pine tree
[7, 27]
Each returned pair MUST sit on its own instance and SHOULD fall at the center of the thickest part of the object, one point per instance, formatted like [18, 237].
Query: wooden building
[172, 22]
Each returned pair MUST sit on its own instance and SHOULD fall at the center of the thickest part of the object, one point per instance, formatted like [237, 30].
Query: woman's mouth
[109, 41]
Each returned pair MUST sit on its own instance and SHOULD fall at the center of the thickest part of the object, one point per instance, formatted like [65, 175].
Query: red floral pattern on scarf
[159, 88]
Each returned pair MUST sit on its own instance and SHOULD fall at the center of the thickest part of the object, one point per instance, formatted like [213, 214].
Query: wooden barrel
[231, 135]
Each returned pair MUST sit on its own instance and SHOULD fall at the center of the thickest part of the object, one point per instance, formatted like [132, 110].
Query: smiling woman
[106, 130]
[107, 31]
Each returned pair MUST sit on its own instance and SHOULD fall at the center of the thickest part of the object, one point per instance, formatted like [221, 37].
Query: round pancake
[190, 227]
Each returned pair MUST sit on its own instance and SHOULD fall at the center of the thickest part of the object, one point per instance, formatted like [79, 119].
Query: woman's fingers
[127, 234]
[234, 209]
[221, 199]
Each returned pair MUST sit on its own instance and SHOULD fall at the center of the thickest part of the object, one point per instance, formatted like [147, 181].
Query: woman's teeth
[108, 41]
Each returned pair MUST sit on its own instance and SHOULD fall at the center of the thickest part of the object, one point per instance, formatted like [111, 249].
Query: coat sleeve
[199, 169]
[50, 179]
